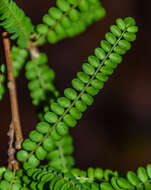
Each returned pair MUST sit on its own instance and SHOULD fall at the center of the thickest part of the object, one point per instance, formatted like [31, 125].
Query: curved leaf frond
[15, 22]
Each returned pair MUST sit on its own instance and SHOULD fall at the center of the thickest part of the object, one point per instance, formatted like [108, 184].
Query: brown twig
[15, 126]
[34, 52]
[12, 163]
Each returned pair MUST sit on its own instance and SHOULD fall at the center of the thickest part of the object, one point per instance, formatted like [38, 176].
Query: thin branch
[34, 52]
[12, 163]
[15, 126]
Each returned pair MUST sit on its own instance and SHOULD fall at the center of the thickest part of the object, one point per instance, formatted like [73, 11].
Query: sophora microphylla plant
[50, 141]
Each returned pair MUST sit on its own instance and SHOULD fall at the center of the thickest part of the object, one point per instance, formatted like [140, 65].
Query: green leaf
[15, 22]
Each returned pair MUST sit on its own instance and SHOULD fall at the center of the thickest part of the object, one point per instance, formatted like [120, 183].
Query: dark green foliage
[60, 155]
[41, 79]
[68, 19]
[50, 140]
[15, 22]
[47, 177]
[18, 56]
[92, 78]
[9, 180]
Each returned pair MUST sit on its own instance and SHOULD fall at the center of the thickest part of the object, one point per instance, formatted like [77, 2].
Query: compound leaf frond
[15, 22]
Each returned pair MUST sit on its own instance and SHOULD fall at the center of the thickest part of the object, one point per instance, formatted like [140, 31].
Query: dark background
[115, 132]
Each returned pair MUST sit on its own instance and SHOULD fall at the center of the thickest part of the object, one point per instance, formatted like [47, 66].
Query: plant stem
[15, 126]
[34, 52]
[12, 163]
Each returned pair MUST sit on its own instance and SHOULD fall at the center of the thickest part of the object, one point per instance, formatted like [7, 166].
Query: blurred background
[115, 132]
